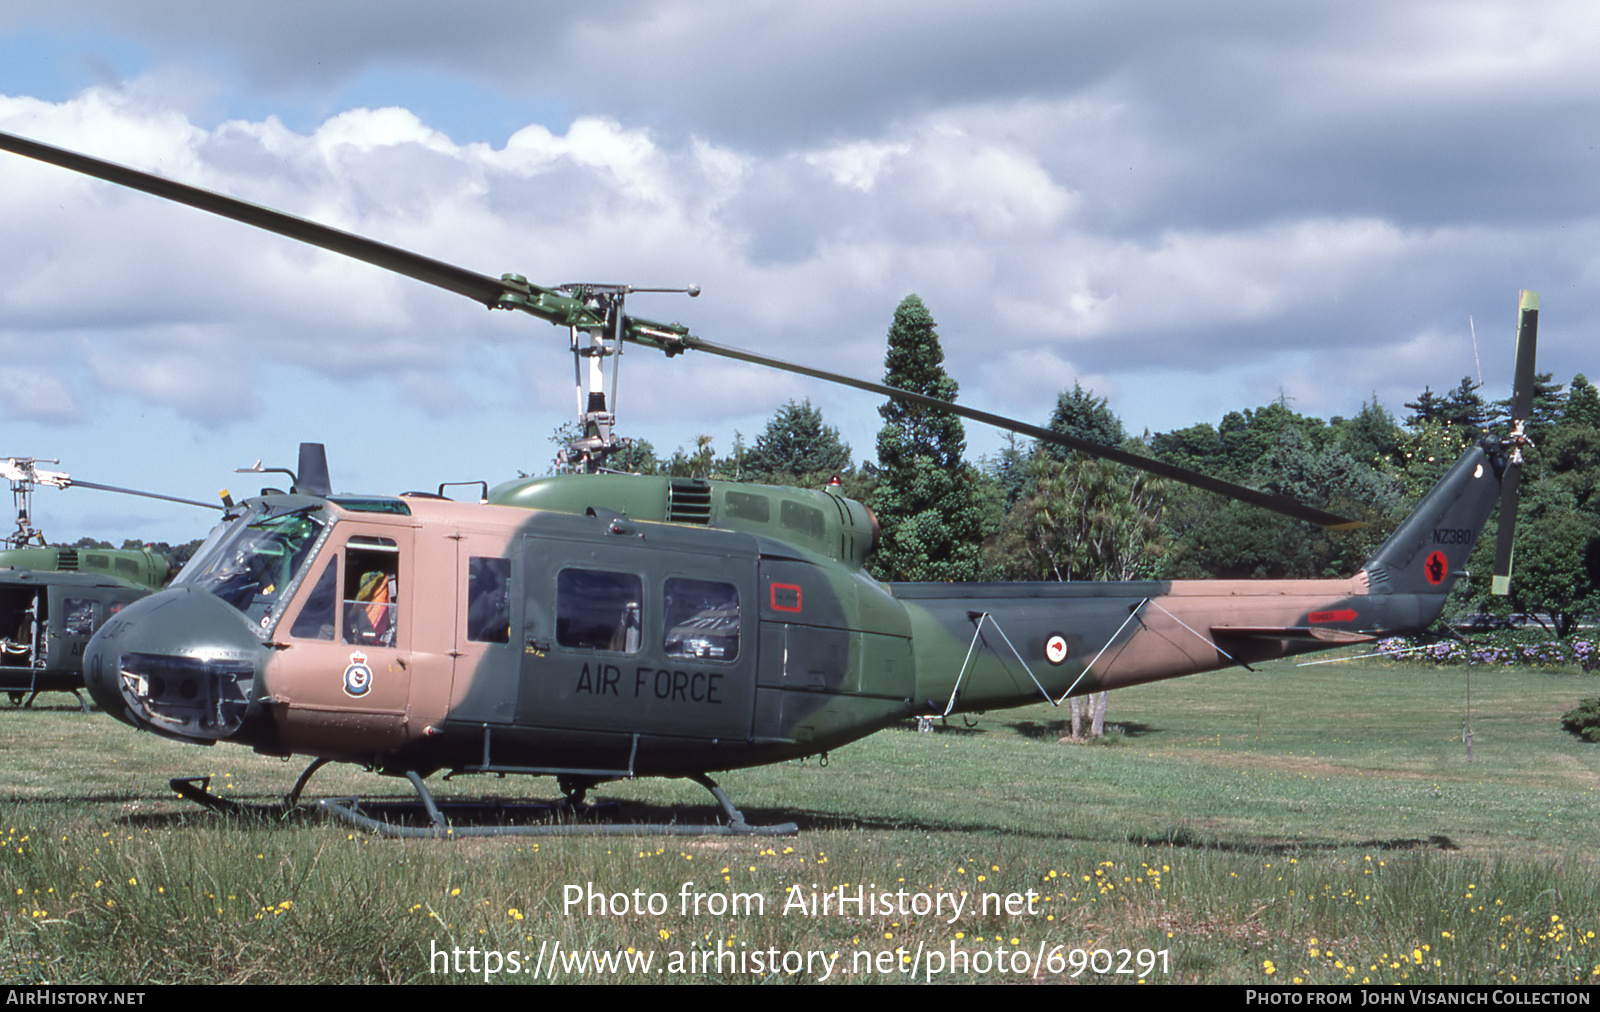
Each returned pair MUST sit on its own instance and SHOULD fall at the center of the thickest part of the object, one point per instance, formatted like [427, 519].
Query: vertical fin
[1429, 551]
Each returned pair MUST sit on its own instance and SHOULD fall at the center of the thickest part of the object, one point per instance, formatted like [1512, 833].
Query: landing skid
[17, 698]
[349, 811]
[198, 790]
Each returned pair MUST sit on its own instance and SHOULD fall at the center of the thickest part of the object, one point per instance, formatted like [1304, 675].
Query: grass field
[1319, 824]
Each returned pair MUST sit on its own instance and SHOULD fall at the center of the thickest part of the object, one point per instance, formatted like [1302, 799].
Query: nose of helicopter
[182, 663]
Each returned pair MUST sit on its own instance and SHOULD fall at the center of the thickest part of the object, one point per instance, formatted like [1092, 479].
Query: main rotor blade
[548, 304]
[479, 287]
[1266, 500]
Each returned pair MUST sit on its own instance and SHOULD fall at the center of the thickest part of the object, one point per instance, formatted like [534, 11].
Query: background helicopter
[52, 599]
[634, 626]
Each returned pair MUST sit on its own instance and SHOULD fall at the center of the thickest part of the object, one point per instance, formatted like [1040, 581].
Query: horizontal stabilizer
[1291, 632]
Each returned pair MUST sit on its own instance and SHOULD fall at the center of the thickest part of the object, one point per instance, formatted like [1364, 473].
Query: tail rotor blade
[1527, 339]
[1501, 584]
[1521, 410]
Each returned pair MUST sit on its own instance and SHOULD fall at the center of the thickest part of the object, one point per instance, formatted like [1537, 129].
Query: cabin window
[254, 562]
[701, 619]
[371, 591]
[489, 600]
[746, 506]
[805, 519]
[77, 616]
[319, 617]
[598, 610]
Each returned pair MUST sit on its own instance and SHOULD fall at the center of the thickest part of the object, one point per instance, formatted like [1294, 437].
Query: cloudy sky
[1188, 208]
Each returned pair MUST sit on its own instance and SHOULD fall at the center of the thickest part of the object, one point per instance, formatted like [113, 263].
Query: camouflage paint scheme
[599, 626]
[51, 602]
[811, 653]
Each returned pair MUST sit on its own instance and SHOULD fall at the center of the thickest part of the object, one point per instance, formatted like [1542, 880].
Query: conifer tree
[1080, 413]
[798, 443]
[927, 501]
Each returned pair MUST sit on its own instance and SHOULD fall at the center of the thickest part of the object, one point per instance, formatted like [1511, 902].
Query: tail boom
[986, 646]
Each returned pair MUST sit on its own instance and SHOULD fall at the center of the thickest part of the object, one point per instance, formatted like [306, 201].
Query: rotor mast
[23, 475]
[596, 336]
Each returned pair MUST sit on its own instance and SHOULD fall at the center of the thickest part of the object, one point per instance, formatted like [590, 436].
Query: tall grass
[1297, 824]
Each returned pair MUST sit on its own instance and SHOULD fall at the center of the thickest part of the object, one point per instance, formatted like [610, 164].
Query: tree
[637, 456]
[693, 465]
[927, 499]
[1372, 437]
[1198, 448]
[1009, 471]
[1084, 519]
[1275, 449]
[797, 443]
[1571, 451]
[1461, 408]
[1428, 407]
[1429, 449]
[1465, 409]
[1556, 565]
[1081, 518]
[1082, 415]
[1583, 403]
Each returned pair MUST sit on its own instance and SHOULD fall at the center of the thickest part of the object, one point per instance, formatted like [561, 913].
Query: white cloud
[1077, 192]
[37, 396]
[857, 165]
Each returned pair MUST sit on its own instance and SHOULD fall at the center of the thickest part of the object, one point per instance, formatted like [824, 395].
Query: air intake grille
[689, 501]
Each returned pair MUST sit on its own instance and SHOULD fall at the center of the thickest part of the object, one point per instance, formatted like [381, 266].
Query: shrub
[1584, 720]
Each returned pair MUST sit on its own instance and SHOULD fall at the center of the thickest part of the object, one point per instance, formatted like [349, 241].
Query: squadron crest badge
[357, 677]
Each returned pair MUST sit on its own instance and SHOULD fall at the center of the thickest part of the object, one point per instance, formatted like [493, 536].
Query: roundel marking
[1055, 649]
[1436, 568]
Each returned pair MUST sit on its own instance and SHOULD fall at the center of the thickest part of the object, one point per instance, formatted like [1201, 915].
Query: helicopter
[601, 626]
[52, 598]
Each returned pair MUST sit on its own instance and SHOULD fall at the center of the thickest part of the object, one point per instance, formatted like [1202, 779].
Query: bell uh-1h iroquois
[601, 626]
[52, 599]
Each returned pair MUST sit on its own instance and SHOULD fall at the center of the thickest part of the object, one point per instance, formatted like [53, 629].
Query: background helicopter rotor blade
[23, 472]
[513, 292]
[76, 483]
[1521, 409]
